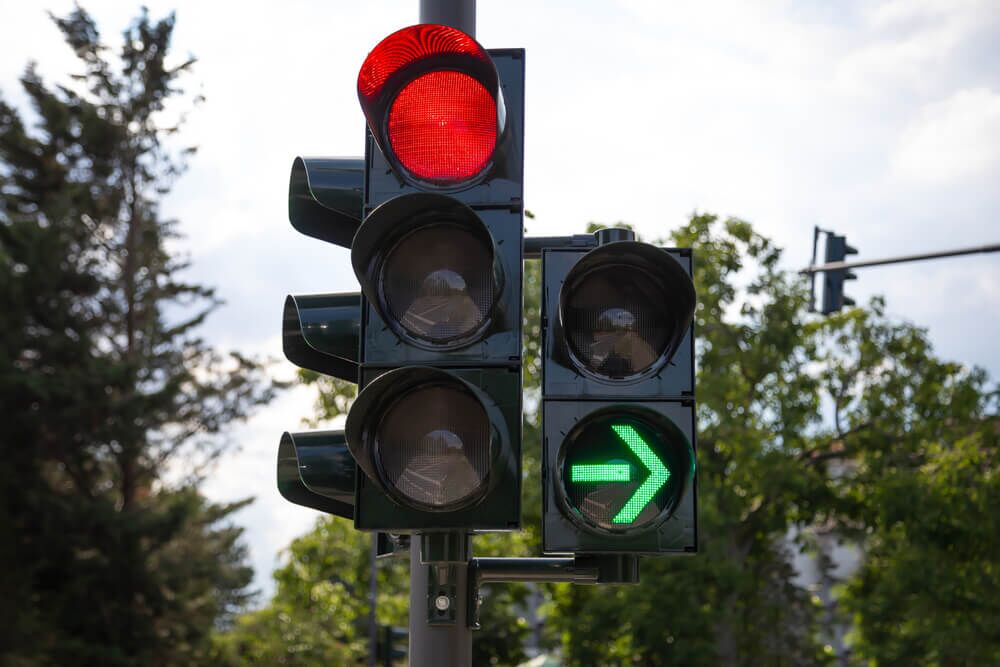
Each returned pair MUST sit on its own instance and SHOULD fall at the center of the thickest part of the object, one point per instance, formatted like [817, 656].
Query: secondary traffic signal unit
[434, 224]
[618, 399]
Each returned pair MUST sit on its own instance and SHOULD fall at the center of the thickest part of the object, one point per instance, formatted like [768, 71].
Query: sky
[879, 120]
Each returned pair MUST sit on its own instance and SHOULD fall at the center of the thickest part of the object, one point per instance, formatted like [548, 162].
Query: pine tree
[104, 381]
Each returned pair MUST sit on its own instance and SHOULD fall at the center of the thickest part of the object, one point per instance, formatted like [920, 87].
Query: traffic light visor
[320, 332]
[325, 197]
[624, 309]
[316, 470]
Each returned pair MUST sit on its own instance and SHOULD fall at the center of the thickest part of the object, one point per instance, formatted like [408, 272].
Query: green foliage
[105, 384]
[319, 613]
[928, 591]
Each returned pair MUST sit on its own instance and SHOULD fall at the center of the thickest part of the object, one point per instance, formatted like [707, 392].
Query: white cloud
[952, 140]
[271, 522]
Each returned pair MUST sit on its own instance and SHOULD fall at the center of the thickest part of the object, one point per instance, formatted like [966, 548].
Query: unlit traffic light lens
[622, 471]
[438, 283]
[434, 446]
[616, 320]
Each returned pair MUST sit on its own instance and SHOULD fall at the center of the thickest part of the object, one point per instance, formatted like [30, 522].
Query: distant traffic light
[618, 399]
[834, 298]
[433, 219]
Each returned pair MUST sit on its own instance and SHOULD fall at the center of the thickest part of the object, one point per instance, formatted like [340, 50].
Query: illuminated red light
[431, 98]
[443, 126]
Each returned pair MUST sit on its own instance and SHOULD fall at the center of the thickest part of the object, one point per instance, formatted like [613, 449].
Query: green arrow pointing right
[658, 474]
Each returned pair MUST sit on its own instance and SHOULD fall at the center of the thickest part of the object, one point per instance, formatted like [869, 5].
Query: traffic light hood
[325, 198]
[320, 332]
[316, 470]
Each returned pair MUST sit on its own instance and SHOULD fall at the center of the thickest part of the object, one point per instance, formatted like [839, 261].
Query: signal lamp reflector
[624, 308]
[443, 126]
[438, 283]
[433, 446]
[624, 469]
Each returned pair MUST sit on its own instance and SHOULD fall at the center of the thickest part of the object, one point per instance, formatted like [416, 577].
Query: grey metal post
[438, 645]
[459, 14]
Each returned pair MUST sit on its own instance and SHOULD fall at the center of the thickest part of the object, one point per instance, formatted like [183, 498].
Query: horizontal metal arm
[554, 570]
[836, 266]
[583, 569]
[527, 570]
[533, 245]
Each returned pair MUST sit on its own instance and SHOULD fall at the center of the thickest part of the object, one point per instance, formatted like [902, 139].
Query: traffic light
[833, 280]
[618, 399]
[436, 426]
[435, 233]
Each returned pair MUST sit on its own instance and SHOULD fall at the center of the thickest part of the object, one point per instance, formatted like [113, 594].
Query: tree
[319, 612]
[105, 384]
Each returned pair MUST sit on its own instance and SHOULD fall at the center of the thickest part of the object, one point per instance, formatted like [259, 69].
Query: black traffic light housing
[439, 262]
[321, 332]
[433, 218]
[618, 406]
[834, 298]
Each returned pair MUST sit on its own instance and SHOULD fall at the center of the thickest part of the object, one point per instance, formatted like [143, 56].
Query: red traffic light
[432, 99]
[443, 126]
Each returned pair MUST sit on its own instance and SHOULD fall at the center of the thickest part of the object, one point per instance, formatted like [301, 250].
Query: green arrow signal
[658, 474]
[601, 472]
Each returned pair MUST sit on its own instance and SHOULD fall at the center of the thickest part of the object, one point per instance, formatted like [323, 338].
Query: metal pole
[441, 644]
[836, 266]
[459, 14]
